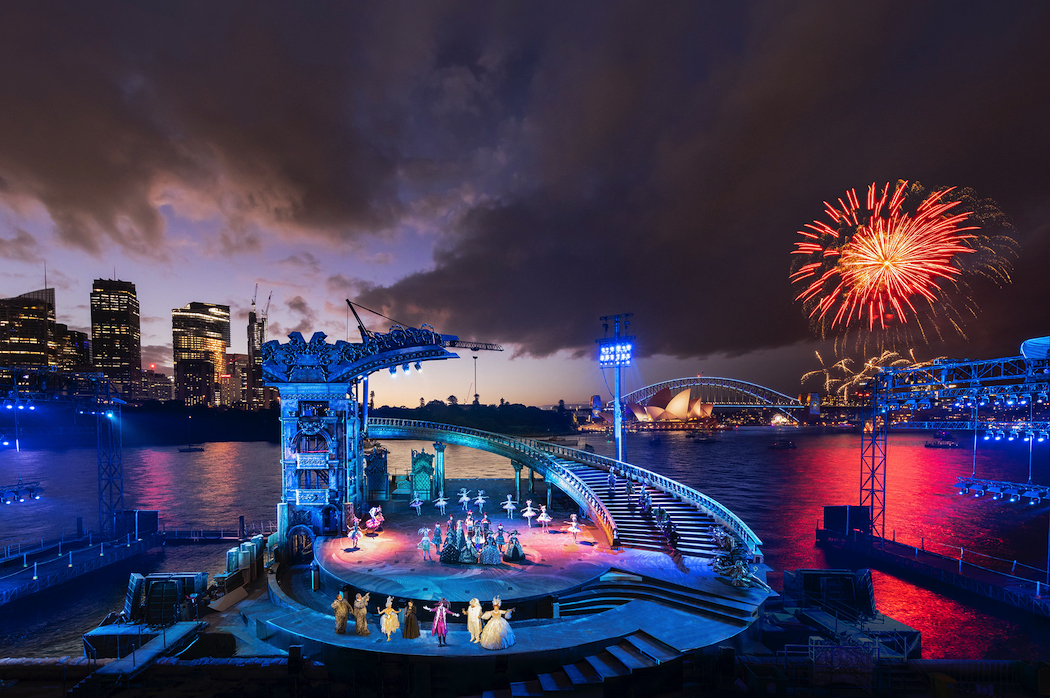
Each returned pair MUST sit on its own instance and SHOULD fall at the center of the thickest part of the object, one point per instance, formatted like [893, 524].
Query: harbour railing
[979, 560]
[522, 450]
[205, 532]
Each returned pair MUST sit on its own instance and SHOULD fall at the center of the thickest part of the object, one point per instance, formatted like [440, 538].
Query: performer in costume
[528, 512]
[342, 612]
[440, 628]
[490, 554]
[424, 543]
[473, 612]
[355, 533]
[436, 540]
[500, 539]
[411, 629]
[574, 527]
[468, 554]
[468, 523]
[479, 501]
[361, 615]
[464, 498]
[388, 622]
[416, 504]
[509, 506]
[375, 523]
[544, 518]
[611, 484]
[497, 634]
[514, 551]
[485, 524]
[440, 503]
[450, 551]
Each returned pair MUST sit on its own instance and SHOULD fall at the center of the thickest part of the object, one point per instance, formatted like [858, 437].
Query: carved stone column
[532, 482]
[439, 469]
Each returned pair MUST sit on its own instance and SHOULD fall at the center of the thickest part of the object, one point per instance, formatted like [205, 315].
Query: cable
[376, 312]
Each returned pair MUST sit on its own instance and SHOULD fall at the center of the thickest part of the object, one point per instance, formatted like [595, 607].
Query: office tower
[200, 333]
[116, 338]
[234, 383]
[27, 329]
[257, 394]
[156, 386]
[74, 349]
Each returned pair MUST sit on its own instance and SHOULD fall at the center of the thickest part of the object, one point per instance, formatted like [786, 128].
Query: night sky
[509, 173]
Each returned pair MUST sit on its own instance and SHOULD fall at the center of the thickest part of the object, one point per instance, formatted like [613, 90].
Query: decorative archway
[330, 521]
[300, 545]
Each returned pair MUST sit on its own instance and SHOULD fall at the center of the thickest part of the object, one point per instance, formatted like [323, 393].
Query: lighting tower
[615, 352]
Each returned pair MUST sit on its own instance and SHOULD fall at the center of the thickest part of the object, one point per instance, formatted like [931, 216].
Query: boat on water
[706, 438]
[782, 445]
[943, 444]
[942, 435]
[844, 426]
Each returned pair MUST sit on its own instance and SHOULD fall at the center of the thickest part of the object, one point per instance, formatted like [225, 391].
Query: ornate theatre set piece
[324, 410]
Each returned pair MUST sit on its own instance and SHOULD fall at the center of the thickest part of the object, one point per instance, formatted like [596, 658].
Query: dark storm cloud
[21, 247]
[289, 116]
[577, 160]
[672, 158]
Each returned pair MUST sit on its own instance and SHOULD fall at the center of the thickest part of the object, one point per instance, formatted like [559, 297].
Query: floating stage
[585, 613]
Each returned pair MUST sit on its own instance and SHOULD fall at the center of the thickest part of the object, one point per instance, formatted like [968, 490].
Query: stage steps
[610, 592]
[637, 531]
[614, 664]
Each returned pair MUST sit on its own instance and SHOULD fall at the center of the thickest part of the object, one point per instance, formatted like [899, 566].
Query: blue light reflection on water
[778, 493]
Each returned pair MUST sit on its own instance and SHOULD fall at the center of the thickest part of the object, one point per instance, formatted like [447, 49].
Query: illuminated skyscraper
[116, 338]
[200, 333]
[27, 329]
[256, 393]
[74, 349]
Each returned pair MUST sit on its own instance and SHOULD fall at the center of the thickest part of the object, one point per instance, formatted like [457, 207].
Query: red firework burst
[879, 258]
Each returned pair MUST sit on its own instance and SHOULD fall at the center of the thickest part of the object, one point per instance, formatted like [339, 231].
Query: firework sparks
[895, 257]
[890, 259]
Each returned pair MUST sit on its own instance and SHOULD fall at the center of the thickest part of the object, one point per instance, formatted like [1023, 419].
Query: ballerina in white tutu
[528, 512]
[416, 504]
[509, 506]
[440, 503]
[480, 500]
[464, 498]
[574, 526]
[544, 519]
[497, 634]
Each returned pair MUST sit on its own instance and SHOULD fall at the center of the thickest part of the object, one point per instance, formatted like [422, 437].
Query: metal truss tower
[966, 383]
[110, 462]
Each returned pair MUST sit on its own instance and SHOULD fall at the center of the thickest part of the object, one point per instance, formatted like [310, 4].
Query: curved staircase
[637, 531]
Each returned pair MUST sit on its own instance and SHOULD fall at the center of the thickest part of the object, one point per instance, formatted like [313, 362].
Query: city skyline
[509, 177]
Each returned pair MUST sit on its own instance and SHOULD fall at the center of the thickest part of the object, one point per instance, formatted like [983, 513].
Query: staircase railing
[661, 482]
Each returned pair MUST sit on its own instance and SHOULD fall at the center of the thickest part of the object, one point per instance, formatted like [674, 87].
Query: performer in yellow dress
[388, 618]
[497, 634]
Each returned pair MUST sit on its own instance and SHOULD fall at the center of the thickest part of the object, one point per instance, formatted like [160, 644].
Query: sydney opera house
[665, 407]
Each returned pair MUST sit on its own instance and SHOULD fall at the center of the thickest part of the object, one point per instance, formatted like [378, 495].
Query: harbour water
[779, 493]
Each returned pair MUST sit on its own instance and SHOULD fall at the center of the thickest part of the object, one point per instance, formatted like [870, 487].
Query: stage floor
[389, 563]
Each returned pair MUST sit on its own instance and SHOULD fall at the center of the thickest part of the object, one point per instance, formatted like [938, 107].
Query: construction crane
[456, 343]
[266, 310]
[473, 346]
